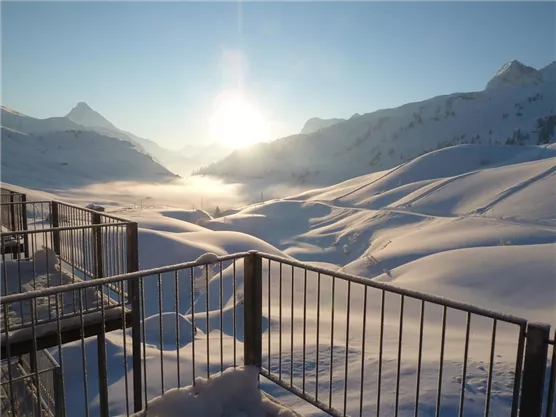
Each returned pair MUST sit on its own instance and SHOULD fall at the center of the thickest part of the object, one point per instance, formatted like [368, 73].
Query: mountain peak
[84, 115]
[514, 73]
[315, 124]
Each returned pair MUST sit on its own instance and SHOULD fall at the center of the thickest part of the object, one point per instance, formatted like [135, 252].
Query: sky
[160, 70]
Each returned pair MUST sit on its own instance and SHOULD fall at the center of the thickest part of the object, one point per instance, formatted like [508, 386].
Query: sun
[235, 122]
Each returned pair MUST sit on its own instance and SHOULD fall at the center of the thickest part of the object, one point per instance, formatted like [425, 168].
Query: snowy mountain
[315, 124]
[83, 115]
[514, 73]
[518, 107]
[181, 162]
[63, 159]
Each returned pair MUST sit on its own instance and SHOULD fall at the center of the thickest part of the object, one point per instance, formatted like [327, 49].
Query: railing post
[102, 375]
[97, 246]
[59, 405]
[132, 265]
[24, 221]
[252, 309]
[55, 218]
[12, 212]
[534, 369]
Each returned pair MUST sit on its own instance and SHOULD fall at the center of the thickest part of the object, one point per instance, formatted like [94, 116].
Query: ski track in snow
[516, 188]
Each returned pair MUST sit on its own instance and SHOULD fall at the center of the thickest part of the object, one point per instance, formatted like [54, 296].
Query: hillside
[63, 159]
[518, 107]
[493, 204]
[473, 223]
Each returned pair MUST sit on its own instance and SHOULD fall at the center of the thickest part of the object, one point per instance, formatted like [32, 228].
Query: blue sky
[155, 68]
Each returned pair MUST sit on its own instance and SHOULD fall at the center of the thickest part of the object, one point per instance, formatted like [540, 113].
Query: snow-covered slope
[471, 222]
[518, 107]
[65, 159]
[463, 198]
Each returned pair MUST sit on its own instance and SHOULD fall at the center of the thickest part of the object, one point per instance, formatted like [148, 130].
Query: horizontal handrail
[103, 214]
[116, 278]
[399, 290]
[63, 228]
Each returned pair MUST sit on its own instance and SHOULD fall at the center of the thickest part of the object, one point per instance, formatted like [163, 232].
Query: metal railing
[54, 243]
[350, 346]
[33, 386]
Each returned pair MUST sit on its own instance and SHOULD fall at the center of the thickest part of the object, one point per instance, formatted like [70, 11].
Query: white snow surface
[232, 393]
[473, 222]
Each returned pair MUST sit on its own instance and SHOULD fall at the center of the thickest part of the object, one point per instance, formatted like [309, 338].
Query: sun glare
[236, 122]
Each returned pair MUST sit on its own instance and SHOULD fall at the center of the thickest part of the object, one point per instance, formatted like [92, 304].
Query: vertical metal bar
[363, 341]
[12, 212]
[304, 324]
[551, 381]
[235, 315]
[55, 219]
[59, 397]
[97, 246]
[193, 328]
[269, 319]
[331, 345]
[419, 357]
[534, 369]
[440, 370]
[490, 366]
[252, 313]
[291, 329]
[380, 348]
[101, 362]
[518, 369]
[83, 353]
[142, 343]
[398, 371]
[280, 327]
[207, 318]
[8, 351]
[318, 340]
[177, 306]
[33, 356]
[221, 324]
[347, 346]
[464, 370]
[25, 226]
[160, 332]
[132, 265]
[124, 336]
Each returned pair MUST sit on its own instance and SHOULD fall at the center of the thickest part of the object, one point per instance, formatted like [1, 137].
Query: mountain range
[517, 107]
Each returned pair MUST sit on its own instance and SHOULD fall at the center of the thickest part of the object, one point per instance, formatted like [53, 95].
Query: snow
[473, 222]
[383, 139]
[232, 393]
[515, 73]
[74, 158]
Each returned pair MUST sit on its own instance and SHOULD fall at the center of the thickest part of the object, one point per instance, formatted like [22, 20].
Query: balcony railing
[334, 340]
[347, 345]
